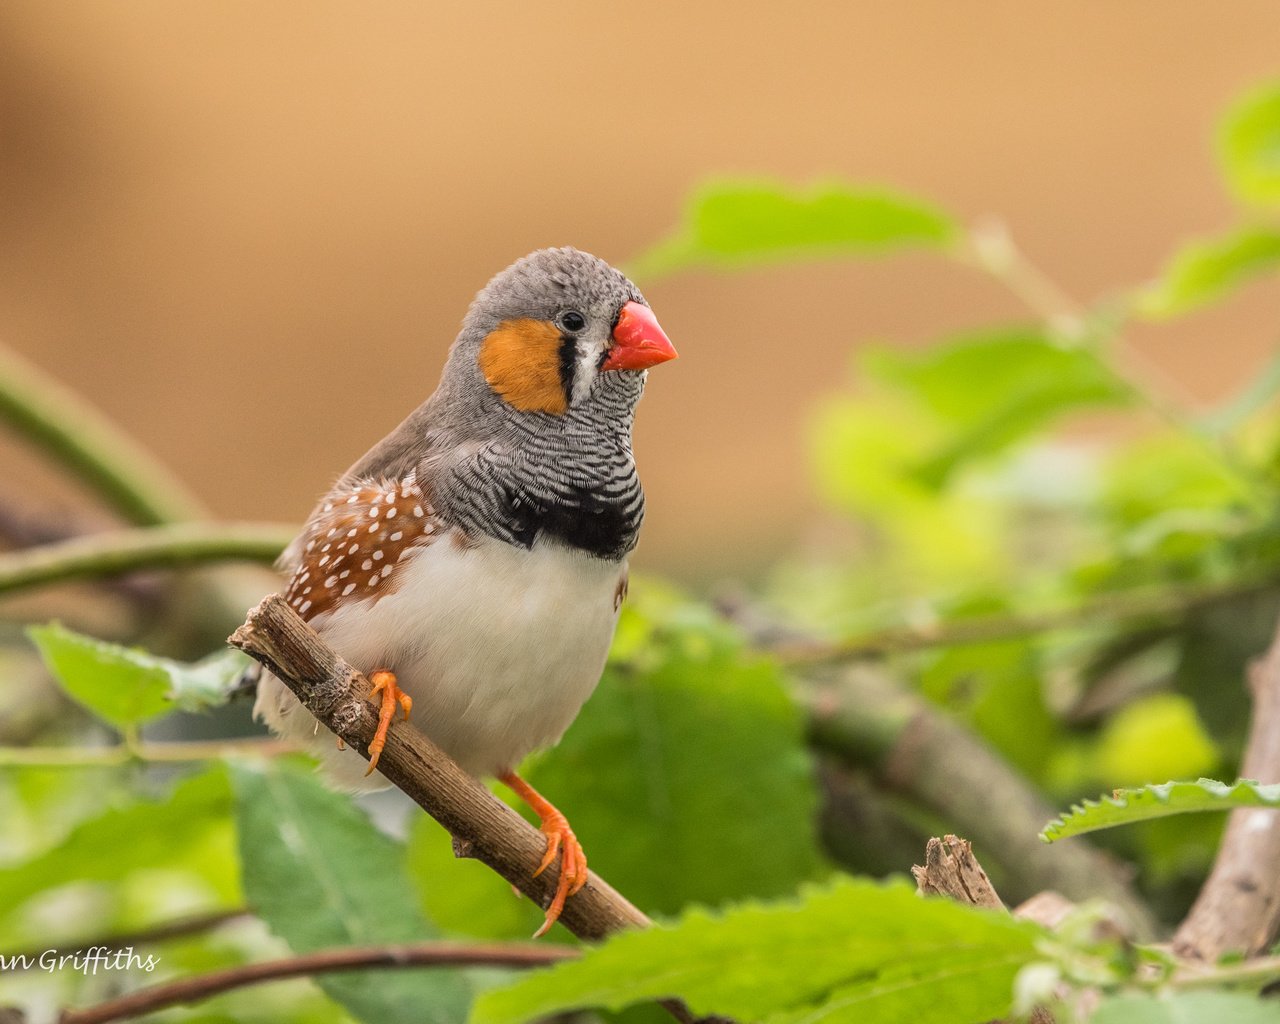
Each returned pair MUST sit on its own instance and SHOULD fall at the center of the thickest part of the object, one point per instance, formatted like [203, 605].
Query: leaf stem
[1138, 604]
[992, 249]
[125, 474]
[120, 551]
[1257, 972]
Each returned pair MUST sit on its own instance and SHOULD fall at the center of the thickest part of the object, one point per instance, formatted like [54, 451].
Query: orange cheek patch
[520, 359]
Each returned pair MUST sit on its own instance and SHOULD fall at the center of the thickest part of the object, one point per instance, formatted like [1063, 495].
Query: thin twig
[425, 954]
[1255, 973]
[1120, 606]
[482, 825]
[51, 415]
[175, 752]
[180, 927]
[121, 551]
[991, 248]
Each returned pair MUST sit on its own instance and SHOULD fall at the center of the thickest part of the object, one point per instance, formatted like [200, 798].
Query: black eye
[572, 321]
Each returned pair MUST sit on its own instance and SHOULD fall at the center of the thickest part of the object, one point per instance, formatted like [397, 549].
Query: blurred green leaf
[187, 827]
[1207, 269]
[461, 895]
[320, 874]
[994, 388]
[1154, 474]
[855, 951]
[1157, 737]
[1126, 806]
[734, 223]
[1187, 1008]
[124, 685]
[1250, 145]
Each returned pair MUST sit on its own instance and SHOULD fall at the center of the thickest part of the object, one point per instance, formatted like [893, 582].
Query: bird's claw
[573, 866]
[384, 684]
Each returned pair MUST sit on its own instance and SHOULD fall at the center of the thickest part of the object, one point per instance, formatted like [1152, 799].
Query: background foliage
[1029, 533]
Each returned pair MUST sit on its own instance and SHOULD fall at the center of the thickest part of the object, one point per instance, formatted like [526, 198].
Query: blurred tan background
[247, 231]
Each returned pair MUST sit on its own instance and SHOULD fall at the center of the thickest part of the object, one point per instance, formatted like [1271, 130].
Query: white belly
[498, 646]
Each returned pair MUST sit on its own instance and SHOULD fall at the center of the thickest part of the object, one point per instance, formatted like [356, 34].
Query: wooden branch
[482, 826]
[864, 718]
[950, 869]
[425, 954]
[1238, 909]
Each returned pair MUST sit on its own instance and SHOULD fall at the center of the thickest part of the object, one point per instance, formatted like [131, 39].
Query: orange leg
[560, 839]
[384, 683]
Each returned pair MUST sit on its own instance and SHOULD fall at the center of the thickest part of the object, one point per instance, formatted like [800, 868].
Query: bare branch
[98, 452]
[426, 954]
[1238, 909]
[121, 551]
[491, 831]
[950, 869]
[1165, 604]
[177, 928]
[863, 718]
[482, 826]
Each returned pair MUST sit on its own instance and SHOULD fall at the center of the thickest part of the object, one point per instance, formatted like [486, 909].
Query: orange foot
[384, 682]
[560, 839]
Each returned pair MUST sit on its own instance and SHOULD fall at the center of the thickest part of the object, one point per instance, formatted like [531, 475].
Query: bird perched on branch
[473, 562]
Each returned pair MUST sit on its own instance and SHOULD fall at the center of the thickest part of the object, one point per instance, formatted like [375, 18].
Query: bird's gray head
[545, 334]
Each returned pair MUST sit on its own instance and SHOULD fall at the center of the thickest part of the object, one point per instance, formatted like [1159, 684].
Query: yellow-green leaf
[1208, 268]
[125, 685]
[734, 223]
[1250, 146]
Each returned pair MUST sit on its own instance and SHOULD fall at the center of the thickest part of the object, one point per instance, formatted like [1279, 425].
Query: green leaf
[1187, 1008]
[1250, 146]
[856, 951]
[1209, 268]
[692, 748]
[737, 223]
[188, 828]
[462, 895]
[124, 685]
[1126, 806]
[320, 874]
[994, 388]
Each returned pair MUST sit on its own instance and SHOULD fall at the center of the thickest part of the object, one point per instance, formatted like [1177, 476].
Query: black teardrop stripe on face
[568, 365]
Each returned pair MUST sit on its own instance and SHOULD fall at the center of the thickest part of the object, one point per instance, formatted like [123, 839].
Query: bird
[474, 561]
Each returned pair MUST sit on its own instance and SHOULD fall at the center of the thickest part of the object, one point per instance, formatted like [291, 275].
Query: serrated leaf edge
[1224, 796]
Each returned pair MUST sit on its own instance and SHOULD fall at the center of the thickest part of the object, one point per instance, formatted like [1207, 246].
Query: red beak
[638, 341]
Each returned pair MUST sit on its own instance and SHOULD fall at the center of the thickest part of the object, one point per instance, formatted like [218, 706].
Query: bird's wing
[358, 537]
